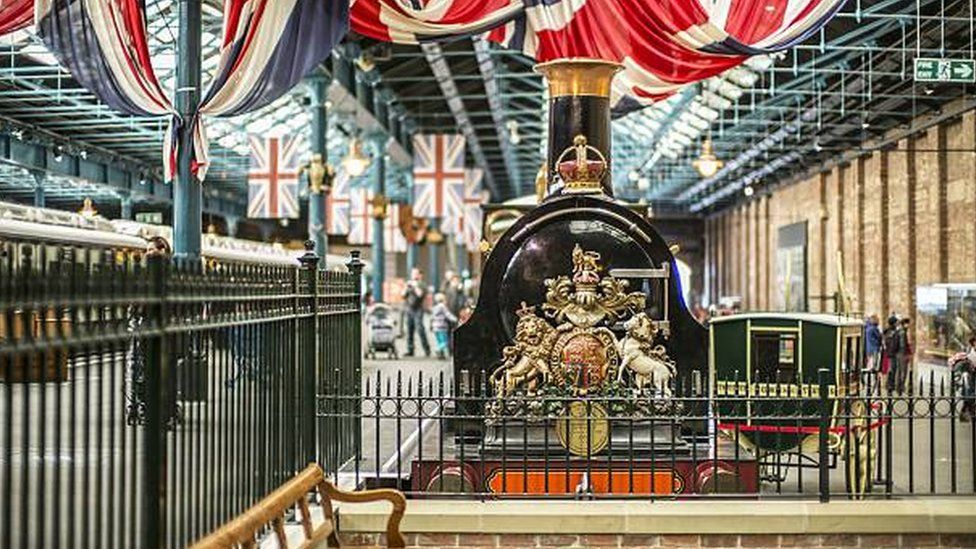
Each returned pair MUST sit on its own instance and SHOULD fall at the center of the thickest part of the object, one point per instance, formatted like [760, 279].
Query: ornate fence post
[308, 340]
[355, 266]
[158, 407]
[823, 458]
[356, 385]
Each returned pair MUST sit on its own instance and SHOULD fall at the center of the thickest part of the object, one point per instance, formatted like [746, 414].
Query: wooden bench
[241, 531]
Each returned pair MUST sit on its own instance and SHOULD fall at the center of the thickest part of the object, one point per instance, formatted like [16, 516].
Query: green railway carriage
[767, 393]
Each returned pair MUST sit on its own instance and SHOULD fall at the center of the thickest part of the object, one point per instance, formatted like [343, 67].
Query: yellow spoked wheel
[862, 450]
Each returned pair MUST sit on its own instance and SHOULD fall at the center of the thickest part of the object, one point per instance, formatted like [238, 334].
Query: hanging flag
[360, 216]
[337, 205]
[272, 181]
[394, 241]
[467, 226]
[361, 222]
[438, 175]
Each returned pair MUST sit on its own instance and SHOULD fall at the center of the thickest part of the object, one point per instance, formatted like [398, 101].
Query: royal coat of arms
[567, 349]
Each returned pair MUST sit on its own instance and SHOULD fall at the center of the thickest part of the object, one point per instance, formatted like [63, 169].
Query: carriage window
[774, 357]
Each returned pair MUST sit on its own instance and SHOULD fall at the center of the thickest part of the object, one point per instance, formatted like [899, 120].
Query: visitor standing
[894, 354]
[442, 322]
[414, 296]
[872, 343]
[908, 355]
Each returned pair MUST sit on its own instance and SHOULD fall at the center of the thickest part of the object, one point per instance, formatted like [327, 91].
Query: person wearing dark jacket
[414, 296]
[895, 349]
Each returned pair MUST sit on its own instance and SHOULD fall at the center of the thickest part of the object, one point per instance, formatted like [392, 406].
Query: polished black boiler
[579, 213]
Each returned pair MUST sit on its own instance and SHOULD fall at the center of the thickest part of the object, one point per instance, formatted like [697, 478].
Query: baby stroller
[381, 331]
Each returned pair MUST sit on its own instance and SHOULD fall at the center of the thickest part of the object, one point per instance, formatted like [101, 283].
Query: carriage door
[774, 360]
[773, 365]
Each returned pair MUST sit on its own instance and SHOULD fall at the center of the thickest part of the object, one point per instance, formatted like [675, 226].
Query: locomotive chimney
[579, 125]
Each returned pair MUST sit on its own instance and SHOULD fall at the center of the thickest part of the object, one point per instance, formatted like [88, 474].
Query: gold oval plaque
[584, 430]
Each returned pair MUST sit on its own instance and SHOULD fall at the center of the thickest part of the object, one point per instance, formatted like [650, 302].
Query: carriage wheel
[862, 449]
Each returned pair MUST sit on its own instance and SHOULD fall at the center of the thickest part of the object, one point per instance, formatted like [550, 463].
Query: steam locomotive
[584, 362]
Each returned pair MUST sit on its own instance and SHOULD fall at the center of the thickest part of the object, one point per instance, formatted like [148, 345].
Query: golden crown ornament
[582, 173]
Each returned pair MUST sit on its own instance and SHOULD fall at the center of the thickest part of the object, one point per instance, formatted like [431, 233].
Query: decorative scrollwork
[581, 355]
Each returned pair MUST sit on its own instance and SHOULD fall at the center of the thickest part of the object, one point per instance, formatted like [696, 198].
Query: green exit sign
[929, 69]
[151, 218]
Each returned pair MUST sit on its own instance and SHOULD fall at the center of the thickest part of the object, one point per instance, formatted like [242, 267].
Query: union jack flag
[272, 182]
[438, 175]
[361, 224]
[337, 205]
[395, 241]
[467, 226]
[360, 220]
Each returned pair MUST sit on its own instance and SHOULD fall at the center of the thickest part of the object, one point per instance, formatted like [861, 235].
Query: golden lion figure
[525, 362]
[648, 365]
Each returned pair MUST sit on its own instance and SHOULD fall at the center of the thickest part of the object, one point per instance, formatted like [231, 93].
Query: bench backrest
[241, 531]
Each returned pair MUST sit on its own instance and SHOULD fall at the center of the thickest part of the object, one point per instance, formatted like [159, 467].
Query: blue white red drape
[15, 15]
[272, 181]
[337, 205]
[104, 44]
[267, 47]
[662, 44]
[467, 226]
[438, 175]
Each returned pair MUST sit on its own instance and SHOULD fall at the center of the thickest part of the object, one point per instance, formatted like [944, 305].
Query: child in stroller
[381, 331]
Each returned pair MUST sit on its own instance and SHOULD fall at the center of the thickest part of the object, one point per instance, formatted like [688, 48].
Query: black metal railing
[143, 402]
[839, 438]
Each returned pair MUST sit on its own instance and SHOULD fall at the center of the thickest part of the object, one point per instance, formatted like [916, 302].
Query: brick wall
[666, 540]
[900, 217]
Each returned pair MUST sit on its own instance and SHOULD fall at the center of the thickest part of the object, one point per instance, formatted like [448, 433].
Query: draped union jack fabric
[337, 205]
[662, 44]
[15, 15]
[438, 175]
[103, 43]
[467, 226]
[272, 181]
[267, 47]
[411, 21]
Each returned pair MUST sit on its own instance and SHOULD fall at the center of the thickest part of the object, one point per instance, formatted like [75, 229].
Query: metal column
[231, 221]
[413, 250]
[462, 257]
[39, 198]
[435, 256]
[125, 207]
[187, 197]
[317, 221]
[379, 249]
